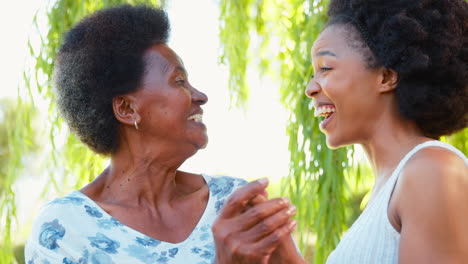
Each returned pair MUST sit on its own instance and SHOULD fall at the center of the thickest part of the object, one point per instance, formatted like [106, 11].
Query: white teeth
[324, 110]
[196, 118]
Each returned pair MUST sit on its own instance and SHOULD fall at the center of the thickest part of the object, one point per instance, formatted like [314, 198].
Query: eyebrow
[182, 69]
[325, 53]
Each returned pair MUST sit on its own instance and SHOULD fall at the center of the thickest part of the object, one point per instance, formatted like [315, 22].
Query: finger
[266, 246]
[270, 242]
[257, 200]
[261, 212]
[239, 199]
[262, 218]
[269, 224]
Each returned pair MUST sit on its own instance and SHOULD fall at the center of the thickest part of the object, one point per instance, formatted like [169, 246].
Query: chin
[335, 142]
[202, 143]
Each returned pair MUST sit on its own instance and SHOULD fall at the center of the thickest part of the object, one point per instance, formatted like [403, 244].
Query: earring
[136, 125]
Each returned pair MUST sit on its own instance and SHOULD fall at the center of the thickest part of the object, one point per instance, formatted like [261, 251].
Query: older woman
[126, 95]
[392, 76]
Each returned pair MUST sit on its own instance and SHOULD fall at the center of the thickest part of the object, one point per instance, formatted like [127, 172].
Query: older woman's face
[169, 106]
[343, 89]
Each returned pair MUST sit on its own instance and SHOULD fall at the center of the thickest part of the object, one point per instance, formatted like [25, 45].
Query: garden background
[252, 59]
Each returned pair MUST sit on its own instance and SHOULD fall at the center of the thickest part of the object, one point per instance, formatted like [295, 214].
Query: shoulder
[224, 180]
[62, 207]
[432, 206]
[71, 199]
[435, 165]
[57, 217]
[223, 186]
[68, 227]
[432, 182]
[50, 227]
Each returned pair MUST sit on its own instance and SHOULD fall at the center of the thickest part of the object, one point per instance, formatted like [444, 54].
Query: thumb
[239, 199]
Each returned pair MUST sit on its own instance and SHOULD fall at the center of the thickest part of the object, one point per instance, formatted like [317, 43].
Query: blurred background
[251, 57]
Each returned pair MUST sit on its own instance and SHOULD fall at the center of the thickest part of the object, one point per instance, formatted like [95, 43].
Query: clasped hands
[252, 229]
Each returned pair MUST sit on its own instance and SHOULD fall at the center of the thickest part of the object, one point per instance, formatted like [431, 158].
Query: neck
[389, 143]
[142, 174]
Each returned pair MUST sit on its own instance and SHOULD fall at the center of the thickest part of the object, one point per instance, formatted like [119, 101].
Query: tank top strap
[433, 143]
[372, 238]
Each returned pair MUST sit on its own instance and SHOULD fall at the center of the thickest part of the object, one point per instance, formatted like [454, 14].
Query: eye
[325, 69]
[181, 82]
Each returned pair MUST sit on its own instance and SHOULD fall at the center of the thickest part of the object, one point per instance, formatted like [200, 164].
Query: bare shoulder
[435, 164]
[432, 208]
[434, 180]
[433, 183]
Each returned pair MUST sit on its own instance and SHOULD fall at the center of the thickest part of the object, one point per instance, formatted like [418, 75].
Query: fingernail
[291, 210]
[292, 224]
[263, 181]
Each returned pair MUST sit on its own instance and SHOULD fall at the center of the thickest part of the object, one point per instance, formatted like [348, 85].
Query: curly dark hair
[102, 57]
[425, 43]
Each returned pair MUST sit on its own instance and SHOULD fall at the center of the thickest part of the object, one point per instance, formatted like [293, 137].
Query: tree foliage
[71, 163]
[273, 35]
[320, 180]
[17, 144]
[314, 169]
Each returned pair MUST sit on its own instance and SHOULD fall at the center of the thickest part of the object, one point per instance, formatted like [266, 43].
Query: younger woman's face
[344, 89]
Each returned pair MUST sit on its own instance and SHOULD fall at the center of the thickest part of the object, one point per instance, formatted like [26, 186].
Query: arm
[46, 243]
[35, 253]
[432, 205]
[249, 234]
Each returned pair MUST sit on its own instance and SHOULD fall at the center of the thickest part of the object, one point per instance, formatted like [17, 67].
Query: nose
[199, 97]
[312, 88]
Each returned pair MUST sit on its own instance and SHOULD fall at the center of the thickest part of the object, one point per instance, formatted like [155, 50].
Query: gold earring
[136, 125]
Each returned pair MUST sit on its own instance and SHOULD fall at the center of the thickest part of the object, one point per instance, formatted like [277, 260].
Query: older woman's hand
[250, 234]
[286, 252]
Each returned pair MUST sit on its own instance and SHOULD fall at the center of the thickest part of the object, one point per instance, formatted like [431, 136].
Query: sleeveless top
[75, 230]
[372, 239]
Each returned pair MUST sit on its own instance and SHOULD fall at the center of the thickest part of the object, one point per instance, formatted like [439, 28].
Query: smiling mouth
[197, 118]
[325, 111]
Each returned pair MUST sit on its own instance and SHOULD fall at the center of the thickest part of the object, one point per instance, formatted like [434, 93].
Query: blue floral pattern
[108, 223]
[147, 241]
[50, 233]
[68, 200]
[93, 211]
[104, 243]
[76, 226]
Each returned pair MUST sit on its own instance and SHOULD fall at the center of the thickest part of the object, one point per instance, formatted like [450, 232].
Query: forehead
[162, 57]
[335, 37]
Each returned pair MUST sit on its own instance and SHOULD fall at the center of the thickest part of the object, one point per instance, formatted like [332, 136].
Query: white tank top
[372, 239]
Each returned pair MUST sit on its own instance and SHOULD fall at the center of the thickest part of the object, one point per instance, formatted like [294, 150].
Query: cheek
[336, 88]
[173, 104]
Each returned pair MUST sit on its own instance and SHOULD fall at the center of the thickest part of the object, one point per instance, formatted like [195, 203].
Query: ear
[125, 109]
[389, 80]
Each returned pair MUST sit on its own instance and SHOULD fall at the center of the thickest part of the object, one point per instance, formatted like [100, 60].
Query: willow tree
[318, 176]
[13, 117]
[320, 179]
[316, 183]
[70, 164]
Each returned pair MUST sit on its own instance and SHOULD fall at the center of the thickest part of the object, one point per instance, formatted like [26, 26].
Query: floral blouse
[75, 230]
